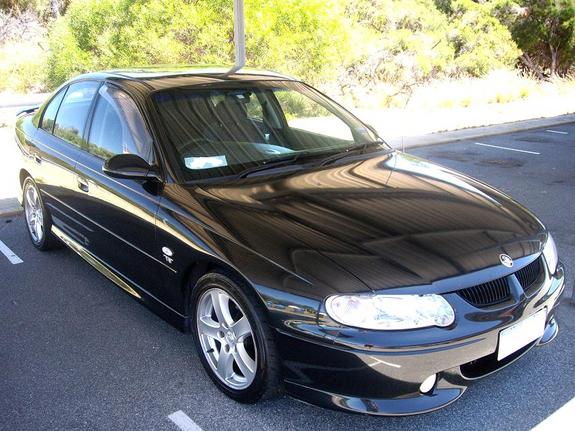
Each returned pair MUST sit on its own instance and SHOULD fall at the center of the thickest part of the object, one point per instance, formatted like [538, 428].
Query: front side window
[117, 127]
[73, 112]
[224, 131]
[51, 110]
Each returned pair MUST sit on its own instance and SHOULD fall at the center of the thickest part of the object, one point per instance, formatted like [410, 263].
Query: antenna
[239, 37]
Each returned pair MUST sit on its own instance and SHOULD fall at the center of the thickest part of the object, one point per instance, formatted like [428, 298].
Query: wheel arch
[22, 177]
[196, 270]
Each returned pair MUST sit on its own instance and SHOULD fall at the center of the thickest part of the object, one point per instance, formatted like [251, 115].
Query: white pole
[239, 37]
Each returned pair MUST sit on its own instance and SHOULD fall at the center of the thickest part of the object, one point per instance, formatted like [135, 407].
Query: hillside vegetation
[383, 47]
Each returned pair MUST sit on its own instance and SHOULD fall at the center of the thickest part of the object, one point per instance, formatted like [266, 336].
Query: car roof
[162, 77]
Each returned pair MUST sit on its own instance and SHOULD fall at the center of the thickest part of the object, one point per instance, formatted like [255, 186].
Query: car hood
[385, 221]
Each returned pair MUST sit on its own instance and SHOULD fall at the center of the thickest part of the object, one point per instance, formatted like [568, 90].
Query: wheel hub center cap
[230, 338]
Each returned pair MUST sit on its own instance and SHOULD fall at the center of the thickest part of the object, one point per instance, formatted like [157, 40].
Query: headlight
[389, 312]
[550, 254]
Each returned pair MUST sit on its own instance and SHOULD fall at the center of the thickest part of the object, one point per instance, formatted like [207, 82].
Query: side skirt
[163, 310]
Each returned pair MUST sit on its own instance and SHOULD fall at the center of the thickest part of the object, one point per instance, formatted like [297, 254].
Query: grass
[22, 67]
[497, 88]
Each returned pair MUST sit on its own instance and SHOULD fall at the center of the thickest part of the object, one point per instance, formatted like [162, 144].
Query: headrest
[231, 108]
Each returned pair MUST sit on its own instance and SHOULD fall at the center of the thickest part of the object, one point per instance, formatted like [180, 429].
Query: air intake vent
[498, 291]
[487, 294]
[529, 274]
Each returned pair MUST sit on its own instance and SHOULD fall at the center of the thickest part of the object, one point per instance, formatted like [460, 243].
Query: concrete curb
[478, 132]
[10, 207]
[15, 101]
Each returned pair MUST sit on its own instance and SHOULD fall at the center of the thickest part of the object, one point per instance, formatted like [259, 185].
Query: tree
[545, 31]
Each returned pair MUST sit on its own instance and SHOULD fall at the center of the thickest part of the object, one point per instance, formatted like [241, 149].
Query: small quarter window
[73, 112]
[117, 127]
[51, 111]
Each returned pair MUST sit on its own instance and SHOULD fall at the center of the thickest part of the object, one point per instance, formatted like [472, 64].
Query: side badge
[168, 253]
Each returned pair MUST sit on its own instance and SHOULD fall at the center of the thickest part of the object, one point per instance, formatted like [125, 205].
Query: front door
[123, 210]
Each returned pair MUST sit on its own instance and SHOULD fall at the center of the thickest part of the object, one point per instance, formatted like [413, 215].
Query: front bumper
[348, 370]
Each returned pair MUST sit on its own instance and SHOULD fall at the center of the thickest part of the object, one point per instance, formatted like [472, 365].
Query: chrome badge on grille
[506, 260]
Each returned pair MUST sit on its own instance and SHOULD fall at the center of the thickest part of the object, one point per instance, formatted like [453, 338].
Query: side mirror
[130, 166]
[372, 129]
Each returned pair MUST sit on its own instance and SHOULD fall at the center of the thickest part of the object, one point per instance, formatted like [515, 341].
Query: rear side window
[117, 127]
[73, 112]
[51, 111]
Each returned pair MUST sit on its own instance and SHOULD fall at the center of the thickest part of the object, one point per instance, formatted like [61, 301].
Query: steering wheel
[192, 144]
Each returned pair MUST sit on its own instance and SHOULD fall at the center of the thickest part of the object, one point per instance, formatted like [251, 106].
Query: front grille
[529, 274]
[487, 294]
[497, 291]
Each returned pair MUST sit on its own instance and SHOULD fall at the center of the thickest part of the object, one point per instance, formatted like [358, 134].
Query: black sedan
[299, 250]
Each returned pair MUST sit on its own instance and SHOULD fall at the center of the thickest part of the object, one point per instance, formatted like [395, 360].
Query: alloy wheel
[226, 338]
[34, 213]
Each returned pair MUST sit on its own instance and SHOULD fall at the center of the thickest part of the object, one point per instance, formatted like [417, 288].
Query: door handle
[37, 158]
[83, 184]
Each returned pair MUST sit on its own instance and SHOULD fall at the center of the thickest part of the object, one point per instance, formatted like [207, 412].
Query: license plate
[519, 335]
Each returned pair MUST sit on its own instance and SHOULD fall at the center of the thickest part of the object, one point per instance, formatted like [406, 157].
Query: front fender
[292, 302]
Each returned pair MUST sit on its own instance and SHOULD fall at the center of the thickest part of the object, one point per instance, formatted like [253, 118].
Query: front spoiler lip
[378, 407]
[451, 384]
[450, 387]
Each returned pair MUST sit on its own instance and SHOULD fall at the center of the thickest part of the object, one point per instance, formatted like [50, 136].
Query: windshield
[223, 131]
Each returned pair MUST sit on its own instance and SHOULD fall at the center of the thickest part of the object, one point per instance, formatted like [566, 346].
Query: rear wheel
[233, 339]
[37, 219]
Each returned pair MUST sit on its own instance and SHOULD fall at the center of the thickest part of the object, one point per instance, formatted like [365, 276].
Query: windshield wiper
[269, 164]
[290, 160]
[354, 149]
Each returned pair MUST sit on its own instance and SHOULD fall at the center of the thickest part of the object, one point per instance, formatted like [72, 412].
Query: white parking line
[183, 421]
[12, 257]
[561, 420]
[508, 149]
[557, 131]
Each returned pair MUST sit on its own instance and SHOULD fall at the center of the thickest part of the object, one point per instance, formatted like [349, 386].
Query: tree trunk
[55, 8]
[530, 64]
[554, 57]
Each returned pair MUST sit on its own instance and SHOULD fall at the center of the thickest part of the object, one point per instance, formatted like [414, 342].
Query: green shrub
[307, 38]
[480, 41]
[415, 41]
[465, 102]
[408, 40]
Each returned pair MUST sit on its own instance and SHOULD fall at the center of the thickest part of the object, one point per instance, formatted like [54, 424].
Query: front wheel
[233, 339]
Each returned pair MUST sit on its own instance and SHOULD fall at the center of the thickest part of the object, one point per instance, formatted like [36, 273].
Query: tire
[246, 381]
[37, 219]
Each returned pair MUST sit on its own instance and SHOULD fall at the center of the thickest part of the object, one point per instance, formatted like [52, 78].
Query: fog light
[428, 384]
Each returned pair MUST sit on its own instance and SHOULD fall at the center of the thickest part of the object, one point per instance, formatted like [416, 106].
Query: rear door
[122, 210]
[56, 147]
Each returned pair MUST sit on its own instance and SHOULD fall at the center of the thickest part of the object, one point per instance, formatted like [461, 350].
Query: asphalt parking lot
[76, 353]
